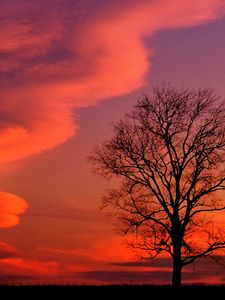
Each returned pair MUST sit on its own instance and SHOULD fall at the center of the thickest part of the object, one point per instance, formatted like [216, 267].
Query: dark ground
[114, 292]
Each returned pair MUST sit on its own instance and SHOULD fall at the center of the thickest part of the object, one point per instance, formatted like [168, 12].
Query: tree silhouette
[169, 153]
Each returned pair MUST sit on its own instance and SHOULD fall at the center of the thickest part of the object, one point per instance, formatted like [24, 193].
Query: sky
[68, 70]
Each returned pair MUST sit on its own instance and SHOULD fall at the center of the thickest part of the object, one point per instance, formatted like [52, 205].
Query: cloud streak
[7, 251]
[53, 63]
[11, 207]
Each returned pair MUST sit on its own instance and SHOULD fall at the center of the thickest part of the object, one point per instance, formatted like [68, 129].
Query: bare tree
[169, 153]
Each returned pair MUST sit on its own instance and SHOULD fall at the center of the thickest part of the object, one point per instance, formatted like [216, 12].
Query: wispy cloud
[7, 251]
[73, 55]
[66, 210]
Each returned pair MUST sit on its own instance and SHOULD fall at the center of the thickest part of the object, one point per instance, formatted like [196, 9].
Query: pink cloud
[52, 64]
[11, 207]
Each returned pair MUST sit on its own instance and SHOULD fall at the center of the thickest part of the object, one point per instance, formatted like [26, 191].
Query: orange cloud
[11, 207]
[33, 267]
[19, 270]
[54, 64]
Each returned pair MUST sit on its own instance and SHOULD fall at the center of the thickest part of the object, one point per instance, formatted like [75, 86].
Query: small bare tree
[170, 153]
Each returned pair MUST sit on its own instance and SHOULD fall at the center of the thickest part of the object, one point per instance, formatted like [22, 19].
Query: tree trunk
[177, 266]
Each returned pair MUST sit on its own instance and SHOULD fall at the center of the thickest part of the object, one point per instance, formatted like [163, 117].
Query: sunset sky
[68, 70]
